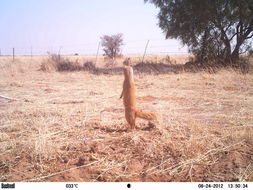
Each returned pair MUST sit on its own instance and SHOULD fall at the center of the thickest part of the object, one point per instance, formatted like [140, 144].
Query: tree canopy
[112, 45]
[210, 28]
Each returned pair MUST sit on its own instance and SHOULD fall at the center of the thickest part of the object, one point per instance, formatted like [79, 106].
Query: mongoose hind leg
[130, 117]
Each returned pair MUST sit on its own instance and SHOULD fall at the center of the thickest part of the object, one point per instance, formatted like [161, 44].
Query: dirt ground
[70, 126]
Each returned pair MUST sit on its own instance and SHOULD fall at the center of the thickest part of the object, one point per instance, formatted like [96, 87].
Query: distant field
[70, 126]
[100, 60]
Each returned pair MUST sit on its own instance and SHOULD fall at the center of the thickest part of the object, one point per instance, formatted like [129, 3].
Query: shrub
[89, 66]
[58, 63]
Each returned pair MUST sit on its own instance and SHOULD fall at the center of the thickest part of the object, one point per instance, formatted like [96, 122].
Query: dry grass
[71, 126]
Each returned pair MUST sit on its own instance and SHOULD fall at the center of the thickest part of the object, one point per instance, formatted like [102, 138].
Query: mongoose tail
[145, 115]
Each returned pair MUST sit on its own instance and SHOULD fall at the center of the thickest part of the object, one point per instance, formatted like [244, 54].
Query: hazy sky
[75, 26]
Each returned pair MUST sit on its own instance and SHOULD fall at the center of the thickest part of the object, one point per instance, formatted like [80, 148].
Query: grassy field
[70, 126]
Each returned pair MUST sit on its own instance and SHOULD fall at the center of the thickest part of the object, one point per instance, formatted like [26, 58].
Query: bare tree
[112, 46]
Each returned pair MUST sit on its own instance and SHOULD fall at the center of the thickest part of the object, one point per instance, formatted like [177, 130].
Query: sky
[76, 26]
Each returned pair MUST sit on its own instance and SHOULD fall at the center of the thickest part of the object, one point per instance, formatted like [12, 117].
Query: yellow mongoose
[129, 99]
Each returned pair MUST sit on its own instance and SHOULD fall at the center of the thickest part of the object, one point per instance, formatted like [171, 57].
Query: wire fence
[130, 47]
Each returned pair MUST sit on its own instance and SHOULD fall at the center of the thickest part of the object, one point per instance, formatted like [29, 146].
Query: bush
[49, 64]
[242, 65]
[58, 63]
[89, 66]
[214, 65]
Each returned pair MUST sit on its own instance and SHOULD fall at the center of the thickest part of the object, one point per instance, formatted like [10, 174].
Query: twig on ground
[57, 173]
[182, 164]
[8, 98]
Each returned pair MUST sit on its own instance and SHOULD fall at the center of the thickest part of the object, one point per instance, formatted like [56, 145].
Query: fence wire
[130, 47]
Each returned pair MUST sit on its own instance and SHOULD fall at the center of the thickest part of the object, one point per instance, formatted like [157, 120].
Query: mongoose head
[128, 72]
[127, 62]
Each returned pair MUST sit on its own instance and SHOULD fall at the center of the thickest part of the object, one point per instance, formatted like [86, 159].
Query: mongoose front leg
[121, 94]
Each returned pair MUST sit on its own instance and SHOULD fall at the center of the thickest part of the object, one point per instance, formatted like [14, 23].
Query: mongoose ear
[127, 62]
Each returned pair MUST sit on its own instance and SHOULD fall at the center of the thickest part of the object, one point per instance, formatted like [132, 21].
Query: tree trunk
[235, 55]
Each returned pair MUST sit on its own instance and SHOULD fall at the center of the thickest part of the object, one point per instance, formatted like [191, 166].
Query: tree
[112, 45]
[211, 29]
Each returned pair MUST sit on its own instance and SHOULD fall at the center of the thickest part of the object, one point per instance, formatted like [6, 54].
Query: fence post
[13, 53]
[31, 52]
[145, 51]
[59, 50]
[97, 54]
